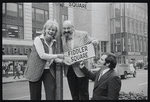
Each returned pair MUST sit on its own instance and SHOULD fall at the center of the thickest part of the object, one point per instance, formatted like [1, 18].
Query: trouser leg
[83, 84]
[35, 90]
[73, 85]
[49, 85]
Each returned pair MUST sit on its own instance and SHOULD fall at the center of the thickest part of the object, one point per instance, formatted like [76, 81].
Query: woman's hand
[61, 56]
[66, 62]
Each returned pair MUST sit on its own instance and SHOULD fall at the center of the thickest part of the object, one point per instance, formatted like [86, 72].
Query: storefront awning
[14, 57]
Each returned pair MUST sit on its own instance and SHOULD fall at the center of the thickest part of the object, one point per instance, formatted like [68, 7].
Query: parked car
[124, 70]
[145, 67]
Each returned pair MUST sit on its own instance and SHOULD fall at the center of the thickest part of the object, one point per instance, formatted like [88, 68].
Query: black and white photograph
[74, 50]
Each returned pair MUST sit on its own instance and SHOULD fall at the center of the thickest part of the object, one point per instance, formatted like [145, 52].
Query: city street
[20, 90]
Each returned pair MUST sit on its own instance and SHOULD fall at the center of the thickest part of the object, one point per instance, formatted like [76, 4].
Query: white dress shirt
[104, 71]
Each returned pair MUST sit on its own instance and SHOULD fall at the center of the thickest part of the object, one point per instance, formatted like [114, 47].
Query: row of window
[12, 31]
[39, 14]
[16, 10]
[135, 43]
[131, 25]
[13, 9]
[131, 10]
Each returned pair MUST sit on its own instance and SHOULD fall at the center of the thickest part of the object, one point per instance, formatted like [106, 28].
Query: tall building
[129, 23]
[119, 27]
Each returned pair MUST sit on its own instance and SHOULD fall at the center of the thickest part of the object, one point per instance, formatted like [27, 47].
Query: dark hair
[111, 58]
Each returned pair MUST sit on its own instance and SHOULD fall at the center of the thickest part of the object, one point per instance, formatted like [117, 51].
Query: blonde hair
[50, 23]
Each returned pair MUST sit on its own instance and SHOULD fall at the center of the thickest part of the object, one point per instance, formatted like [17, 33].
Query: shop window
[12, 9]
[39, 15]
[8, 68]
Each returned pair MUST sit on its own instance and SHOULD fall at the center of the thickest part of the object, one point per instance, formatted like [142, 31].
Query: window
[129, 43]
[3, 8]
[20, 10]
[4, 30]
[64, 17]
[20, 32]
[12, 9]
[15, 10]
[33, 13]
[46, 15]
[33, 33]
[36, 32]
[137, 43]
[128, 25]
[39, 15]
[103, 46]
[12, 31]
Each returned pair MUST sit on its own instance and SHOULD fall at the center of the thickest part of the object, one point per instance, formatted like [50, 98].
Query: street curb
[14, 81]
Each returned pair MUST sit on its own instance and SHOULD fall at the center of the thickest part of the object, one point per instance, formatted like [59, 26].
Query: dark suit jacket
[107, 88]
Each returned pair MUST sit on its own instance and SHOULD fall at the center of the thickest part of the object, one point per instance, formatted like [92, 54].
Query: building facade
[129, 24]
[119, 27]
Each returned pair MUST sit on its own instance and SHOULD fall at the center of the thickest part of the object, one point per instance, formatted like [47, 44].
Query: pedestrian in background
[17, 71]
[6, 69]
[78, 82]
[107, 83]
[41, 63]
[132, 68]
[23, 69]
[3, 67]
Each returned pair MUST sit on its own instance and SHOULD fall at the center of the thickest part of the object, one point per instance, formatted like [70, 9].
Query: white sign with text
[78, 5]
[80, 53]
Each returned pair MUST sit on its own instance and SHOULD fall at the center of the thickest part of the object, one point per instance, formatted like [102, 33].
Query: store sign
[130, 53]
[16, 49]
[77, 5]
[137, 53]
[80, 53]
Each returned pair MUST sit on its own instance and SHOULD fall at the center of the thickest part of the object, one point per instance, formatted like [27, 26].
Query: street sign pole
[59, 70]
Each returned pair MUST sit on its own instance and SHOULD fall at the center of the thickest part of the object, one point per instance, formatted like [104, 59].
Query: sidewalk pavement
[11, 79]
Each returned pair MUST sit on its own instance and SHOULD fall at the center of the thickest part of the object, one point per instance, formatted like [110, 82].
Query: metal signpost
[59, 70]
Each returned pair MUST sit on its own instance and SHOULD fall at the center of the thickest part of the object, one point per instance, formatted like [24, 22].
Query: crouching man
[107, 82]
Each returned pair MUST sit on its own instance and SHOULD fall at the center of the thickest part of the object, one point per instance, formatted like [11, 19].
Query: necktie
[101, 73]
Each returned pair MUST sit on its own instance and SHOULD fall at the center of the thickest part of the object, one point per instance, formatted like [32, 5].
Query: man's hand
[95, 42]
[61, 56]
[81, 64]
[66, 62]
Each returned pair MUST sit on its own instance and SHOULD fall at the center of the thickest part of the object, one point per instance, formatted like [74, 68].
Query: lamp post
[59, 70]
